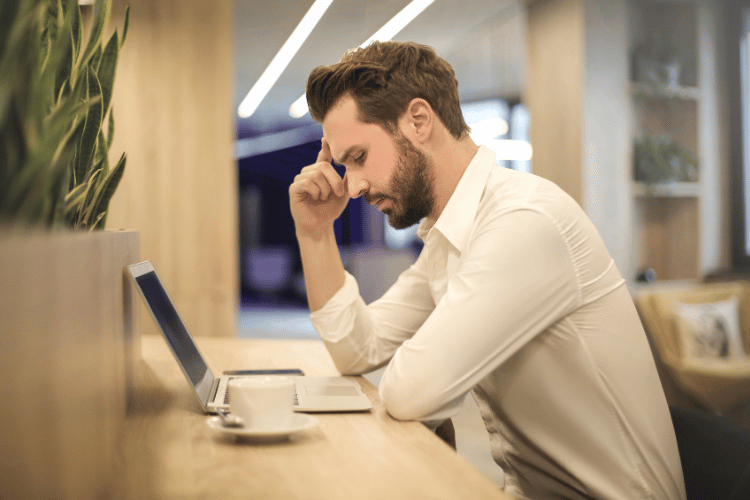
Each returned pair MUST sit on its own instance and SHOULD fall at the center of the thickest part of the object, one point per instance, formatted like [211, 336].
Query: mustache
[377, 197]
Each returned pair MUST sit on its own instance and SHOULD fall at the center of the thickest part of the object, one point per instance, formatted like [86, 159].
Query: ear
[418, 120]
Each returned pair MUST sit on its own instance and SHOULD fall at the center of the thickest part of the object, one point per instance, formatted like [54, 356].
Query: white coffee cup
[262, 402]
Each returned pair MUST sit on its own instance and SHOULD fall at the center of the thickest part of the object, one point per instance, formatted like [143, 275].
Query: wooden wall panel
[554, 91]
[669, 236]
[174, 118]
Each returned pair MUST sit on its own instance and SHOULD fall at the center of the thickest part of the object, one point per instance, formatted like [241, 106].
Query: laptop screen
[173, 327]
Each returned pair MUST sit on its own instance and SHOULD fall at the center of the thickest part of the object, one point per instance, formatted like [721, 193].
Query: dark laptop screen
[171, 324]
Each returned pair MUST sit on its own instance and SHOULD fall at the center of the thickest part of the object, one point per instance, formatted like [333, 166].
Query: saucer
[300, 422]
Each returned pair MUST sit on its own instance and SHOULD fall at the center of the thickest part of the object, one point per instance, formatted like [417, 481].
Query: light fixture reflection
[253, 99]
[299, 108]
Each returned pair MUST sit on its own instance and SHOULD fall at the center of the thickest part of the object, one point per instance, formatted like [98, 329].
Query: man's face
[388, 170]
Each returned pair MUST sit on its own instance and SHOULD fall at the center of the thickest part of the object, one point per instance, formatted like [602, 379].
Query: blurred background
[638, 109]
[634, 108]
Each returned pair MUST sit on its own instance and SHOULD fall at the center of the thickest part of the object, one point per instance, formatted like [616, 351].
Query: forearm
[322, 266]
[361, 338]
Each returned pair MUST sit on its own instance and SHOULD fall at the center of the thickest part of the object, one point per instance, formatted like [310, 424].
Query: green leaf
[107, 69]
[73, 204]
[91, 129]
[45, 162]
[10, 14]
[125, 26]
[64, 71]
[99, 222]
[76, 31]
[92, 187]
[96, 59]
[44, 77]
[52, 28]
[75, 139]
[102, 10]
[108, 187]
[111, 128]
[75, 193]
[61, 92]
[101, 151]
[57, 214]
[35, 205]
[54, 98]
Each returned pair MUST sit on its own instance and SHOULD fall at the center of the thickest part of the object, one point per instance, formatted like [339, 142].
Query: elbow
[401, 402]
[350, 370]
[348, 361]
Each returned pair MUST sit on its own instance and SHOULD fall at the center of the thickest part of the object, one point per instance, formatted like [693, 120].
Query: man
[513, 297]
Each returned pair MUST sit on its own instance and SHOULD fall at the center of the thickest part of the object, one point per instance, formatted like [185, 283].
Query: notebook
[313, 394]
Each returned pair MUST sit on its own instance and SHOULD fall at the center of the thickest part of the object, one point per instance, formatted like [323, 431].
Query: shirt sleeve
[362, 338]
[515, 279]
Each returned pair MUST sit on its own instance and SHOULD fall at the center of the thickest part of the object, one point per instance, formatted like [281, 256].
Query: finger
[325, 152]
[304, 189]
[315, 185]
[332, 178]
[320, 181]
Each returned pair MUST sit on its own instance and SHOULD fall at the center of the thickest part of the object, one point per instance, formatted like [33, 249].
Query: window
[739, 94]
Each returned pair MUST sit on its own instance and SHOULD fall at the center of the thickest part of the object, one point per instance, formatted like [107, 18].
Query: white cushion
[710, 331]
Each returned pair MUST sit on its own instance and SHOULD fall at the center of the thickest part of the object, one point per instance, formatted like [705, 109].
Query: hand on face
[318, 195]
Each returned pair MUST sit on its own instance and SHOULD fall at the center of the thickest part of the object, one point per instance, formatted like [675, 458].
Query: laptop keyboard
[226, 395]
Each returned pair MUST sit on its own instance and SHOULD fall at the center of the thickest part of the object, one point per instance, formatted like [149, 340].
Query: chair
[715, 455]
[716, 386]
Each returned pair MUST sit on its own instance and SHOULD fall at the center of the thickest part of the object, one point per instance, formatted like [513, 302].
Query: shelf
[657, 91]
[666, 190]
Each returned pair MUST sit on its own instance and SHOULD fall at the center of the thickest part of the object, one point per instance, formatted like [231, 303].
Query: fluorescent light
[399, 21]
[253, 99]
[390, 29]
[298, 109]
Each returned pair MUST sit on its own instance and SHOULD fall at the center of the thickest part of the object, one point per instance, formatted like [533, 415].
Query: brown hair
[383, 78]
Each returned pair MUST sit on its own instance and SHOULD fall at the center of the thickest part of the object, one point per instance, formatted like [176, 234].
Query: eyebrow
[347, 154]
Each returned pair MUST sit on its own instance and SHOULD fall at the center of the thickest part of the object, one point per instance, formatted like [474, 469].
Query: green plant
[55, 99]
[662, 159]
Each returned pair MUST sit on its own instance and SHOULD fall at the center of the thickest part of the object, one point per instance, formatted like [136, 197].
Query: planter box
[68, 352]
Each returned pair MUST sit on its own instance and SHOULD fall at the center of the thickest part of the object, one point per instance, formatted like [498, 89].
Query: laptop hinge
[214, 389]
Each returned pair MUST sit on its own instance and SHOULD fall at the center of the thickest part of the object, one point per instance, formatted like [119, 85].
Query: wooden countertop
[170, 452]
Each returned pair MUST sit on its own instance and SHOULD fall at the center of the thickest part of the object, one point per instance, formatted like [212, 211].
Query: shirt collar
[458, 215]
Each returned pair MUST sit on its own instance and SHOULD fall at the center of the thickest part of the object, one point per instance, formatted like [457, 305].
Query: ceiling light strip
[399, 21]
[390, 29]
[253, 99]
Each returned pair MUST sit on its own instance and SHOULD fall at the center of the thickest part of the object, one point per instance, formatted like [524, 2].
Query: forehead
[343, 129]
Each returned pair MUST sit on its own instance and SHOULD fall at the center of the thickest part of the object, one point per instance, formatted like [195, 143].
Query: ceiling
[484, 40]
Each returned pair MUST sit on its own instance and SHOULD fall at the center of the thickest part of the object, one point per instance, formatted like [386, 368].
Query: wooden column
[578, 96]
[174, 118]
[555, 77]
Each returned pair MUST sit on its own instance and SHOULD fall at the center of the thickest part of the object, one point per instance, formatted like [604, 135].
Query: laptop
[313, 394]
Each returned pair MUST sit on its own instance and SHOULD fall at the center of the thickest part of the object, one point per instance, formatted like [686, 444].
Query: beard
[411, 187]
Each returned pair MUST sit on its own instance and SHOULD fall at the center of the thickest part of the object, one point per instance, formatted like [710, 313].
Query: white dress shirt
[515, 298]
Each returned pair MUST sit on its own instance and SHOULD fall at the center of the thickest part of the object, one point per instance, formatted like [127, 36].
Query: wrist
[315, 235]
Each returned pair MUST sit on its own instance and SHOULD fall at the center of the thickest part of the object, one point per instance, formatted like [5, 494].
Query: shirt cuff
[327, 319]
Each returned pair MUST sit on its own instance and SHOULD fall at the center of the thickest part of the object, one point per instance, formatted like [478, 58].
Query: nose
[356, 185]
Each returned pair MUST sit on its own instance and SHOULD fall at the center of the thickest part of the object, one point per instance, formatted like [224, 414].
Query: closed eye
[360, 159]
